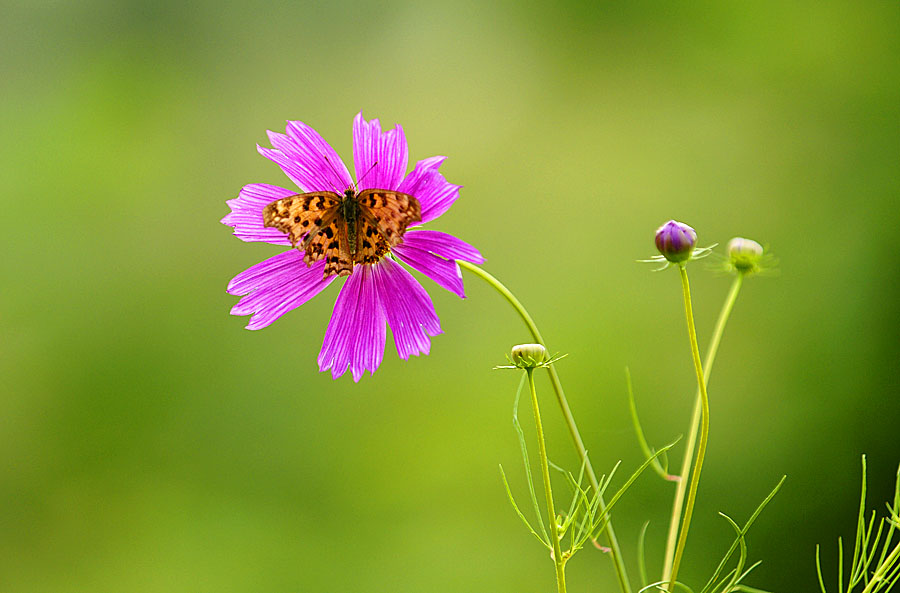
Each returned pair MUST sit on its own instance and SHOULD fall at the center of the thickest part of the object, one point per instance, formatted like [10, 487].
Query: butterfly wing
[371, 245]
[385, 216]
[332, 244]
[302, 215]
[315, 224]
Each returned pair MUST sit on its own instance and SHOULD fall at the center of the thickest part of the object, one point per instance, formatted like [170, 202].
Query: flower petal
[380, 158]
[445, 272]
[288, 166]
[408, 309]
[434, 193]
[246, 213]
[307, 159]
[323, 164]
[442, 244]
[356, 333]
[275, 286]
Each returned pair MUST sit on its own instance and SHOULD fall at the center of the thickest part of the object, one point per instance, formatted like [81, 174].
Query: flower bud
[744, 254]
[527, 356]
[675, 241]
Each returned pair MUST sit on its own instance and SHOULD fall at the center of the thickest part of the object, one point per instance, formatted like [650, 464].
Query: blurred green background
[145, 444]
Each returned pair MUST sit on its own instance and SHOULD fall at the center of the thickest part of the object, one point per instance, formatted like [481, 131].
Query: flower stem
[615, 550]
[724, 314]
[558, 559]
[704, 427]
[880, 573]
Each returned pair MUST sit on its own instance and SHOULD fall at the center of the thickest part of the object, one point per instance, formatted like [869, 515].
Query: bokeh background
[147, 445]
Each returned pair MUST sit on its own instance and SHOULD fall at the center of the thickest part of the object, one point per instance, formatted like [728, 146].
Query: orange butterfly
[356, 228]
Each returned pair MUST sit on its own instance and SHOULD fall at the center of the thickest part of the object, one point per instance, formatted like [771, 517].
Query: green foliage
[885, 572]
[720, 581]
[731, 581]
[583, 521]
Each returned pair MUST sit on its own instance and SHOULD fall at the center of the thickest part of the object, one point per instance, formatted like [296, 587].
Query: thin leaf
[736, 543]
[512, 501]
[524, 448]
[893, 577]
[747, 589]
[887, 544]
[862, 570]
[819, 570]
[663, 586]
[841, 566]
[639, 432]
[612, 502]
[742, 557]
[642, 565]
[860, 530]
[738, 586]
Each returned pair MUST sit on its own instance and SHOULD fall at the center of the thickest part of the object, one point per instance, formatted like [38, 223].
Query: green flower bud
[529, 356]
[745, 254]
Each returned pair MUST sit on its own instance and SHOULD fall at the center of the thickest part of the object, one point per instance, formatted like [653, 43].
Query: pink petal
[380, 158]
[307, 159]
[275, 286]
[446, 273]
[442, 244]
[434, 193]
[356, 333]
[293, 170]
[408, 308]
[306, 146]
[246, 213]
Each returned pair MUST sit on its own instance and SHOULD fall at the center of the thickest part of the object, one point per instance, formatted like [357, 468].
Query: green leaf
[739, 541]
[819, 570]
[742, 558]
[663, 586]
[660, 469]
[747, 589]
[859, 545]
[642, 564]
[512, 501]
[598, 526]
[524, 448]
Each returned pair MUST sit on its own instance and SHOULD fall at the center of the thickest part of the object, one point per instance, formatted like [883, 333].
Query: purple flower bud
[676, 240]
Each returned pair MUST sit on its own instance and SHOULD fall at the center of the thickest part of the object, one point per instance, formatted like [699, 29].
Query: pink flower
[374, 295]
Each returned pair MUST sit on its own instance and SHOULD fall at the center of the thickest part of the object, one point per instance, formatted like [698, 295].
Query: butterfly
[356, 228]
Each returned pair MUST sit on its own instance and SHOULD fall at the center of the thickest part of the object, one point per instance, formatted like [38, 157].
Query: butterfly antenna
[336, 174]
[360, 180]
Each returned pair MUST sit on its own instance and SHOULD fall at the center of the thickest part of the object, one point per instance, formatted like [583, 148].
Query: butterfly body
[350, 211]
[356, 228]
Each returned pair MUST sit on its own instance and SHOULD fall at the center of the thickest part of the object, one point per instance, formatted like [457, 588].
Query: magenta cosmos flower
[374, 295]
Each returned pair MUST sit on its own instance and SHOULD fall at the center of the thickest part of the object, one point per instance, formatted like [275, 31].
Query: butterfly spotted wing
[384, 217]
[356, 228]
[301, 215]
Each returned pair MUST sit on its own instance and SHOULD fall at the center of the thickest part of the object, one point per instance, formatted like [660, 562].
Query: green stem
[681, 489]
[558, 559]
[880, 572]
[615, 550]
[704, 427]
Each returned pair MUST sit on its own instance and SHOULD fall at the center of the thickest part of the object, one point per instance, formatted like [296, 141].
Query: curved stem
[558, 559]
[704, 427]
[674, 522]
[615, 550]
